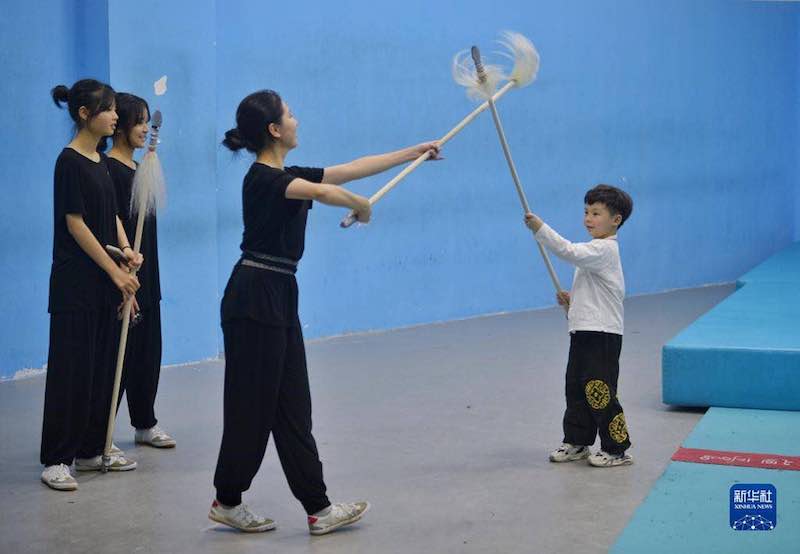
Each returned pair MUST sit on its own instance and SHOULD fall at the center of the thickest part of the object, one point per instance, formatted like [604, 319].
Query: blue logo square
[754, 507]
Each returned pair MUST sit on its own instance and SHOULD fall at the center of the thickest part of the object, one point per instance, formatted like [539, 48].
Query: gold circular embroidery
[597, 394]
[618, 429]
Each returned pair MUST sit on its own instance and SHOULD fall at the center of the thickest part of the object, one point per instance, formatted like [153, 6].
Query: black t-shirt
[273, 225]
[81, 186]
[150, 292]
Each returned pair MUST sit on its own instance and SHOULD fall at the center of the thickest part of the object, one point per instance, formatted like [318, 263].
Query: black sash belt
[270, 263]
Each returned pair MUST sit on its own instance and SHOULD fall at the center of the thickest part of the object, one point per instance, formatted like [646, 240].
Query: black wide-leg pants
[80, 378]
[267, 391]
[142, 368]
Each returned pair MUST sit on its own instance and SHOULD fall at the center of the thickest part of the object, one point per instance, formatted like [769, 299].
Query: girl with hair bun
[266, 380]
[86, 286]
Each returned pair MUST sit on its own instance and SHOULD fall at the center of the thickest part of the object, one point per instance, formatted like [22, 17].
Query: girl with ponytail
[86, 287]
[266, 380]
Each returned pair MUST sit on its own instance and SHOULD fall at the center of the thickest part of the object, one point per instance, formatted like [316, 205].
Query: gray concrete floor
[444, 428]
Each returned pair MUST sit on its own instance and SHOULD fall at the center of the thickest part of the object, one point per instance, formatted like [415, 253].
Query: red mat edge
[740, 459]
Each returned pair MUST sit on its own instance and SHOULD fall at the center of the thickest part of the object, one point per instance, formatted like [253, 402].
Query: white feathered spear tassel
[518, 49]
[525, 56]
[465, 75]
[148, 194]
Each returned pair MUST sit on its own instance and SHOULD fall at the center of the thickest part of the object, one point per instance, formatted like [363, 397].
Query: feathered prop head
[464, 74]
[525, 56]
[149, 190]
[518, 49]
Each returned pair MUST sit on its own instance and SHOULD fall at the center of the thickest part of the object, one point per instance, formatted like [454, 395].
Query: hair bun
[60, 94]
[233, 140]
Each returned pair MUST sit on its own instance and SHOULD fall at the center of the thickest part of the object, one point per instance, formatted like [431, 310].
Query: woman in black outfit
[85, 287]
[266, 381]
[143, 354]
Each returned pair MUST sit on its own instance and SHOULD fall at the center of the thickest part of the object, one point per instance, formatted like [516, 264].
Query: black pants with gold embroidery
[591, 391]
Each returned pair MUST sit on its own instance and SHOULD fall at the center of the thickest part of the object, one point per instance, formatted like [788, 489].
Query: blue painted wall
[797, 130]
[150, 39]
[42, 44]
[690, 106]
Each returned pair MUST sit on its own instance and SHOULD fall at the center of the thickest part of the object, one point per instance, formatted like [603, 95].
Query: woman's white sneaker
[240, 517]
[335, 516]
[569, 453]
[118, 463]
[59, 478]
[155, 436]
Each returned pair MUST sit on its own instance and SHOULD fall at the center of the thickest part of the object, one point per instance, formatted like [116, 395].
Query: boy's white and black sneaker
[604, 459]
[117, 463]
[335, 516]
[59, 478]
[569, 453]
[240, 517]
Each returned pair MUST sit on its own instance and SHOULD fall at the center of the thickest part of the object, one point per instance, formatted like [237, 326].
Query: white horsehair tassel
[148, 193]
[525, 56]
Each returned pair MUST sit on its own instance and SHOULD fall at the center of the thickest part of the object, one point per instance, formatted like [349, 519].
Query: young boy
[595, 325]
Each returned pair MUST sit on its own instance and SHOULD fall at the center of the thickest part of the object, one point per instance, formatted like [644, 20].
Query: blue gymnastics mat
[745, 352]
[688, 509]
[783, 267]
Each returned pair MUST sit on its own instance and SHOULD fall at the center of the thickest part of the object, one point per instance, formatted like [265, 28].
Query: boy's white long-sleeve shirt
[598, 287]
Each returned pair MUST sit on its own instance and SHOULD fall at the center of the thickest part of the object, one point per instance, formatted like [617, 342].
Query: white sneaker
[604, 459]
[116, 450]
[155, 436]
[118, 463]
[59, 478]
[569, 453]
[240, 517]
[335, 516]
